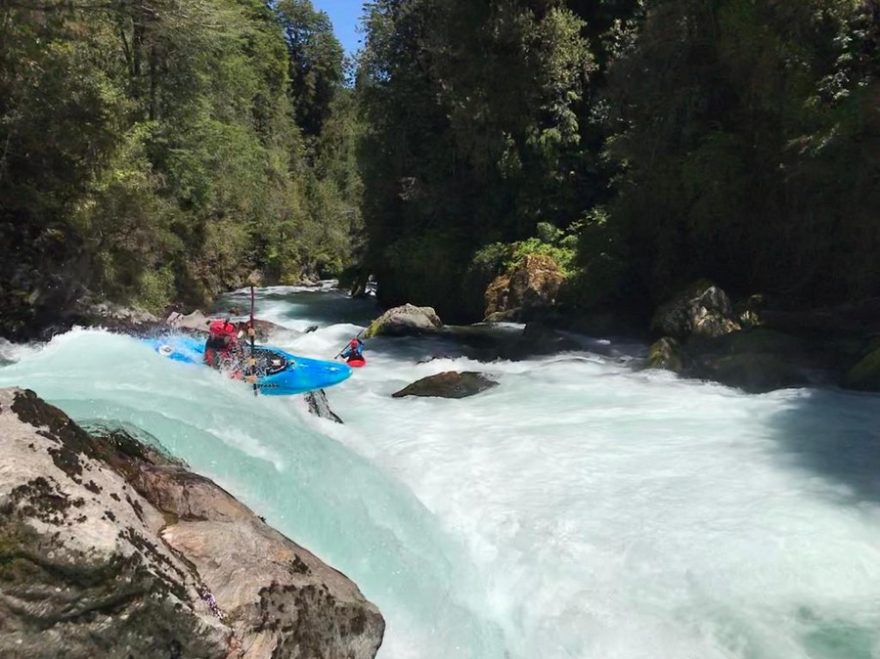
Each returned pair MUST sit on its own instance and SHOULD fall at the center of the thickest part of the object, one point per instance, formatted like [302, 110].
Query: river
[580, 509]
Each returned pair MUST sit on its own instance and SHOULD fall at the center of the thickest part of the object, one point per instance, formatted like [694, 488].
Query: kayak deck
[279, 373]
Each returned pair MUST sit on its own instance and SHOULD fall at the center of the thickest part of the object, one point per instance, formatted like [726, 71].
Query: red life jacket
[222, 339]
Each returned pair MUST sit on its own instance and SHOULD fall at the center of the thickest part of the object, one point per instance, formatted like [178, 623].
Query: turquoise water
[580, 509]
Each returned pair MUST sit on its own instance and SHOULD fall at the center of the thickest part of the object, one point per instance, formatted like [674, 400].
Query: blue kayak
[279, 372]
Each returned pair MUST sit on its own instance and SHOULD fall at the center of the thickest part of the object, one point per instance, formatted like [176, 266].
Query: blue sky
[345, 15]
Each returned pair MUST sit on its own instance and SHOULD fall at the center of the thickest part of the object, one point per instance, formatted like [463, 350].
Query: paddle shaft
[252, 362]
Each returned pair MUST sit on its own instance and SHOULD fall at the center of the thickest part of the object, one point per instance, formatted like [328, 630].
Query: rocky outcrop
[110, 549]
[448, 385]
[406, 320]
[533, 285]
[702, 310]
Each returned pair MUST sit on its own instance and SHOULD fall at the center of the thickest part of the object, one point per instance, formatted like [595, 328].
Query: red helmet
[222, 328]
[353, 343]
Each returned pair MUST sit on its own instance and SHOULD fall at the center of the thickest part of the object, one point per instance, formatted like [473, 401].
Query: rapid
[582, 508]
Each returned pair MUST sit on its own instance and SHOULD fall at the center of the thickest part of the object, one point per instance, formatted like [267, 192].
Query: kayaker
[354, 350]
[222, 350]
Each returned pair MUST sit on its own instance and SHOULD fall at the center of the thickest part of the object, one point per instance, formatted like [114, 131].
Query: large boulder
[110, 549]
[754, 373]
[407, 320]
[532, 285]
[755, 360]
[701, 310]
[448, 385]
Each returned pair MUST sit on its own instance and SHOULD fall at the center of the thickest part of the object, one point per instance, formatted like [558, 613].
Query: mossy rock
[666, 354]
[406, 320]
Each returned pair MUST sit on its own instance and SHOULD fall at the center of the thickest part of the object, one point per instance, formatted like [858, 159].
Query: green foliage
[745, 143]
[475, 120]
[152, 150]
[723, 139]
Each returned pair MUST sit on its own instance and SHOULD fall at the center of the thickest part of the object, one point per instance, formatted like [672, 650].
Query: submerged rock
[407, 320]
[320, 406]
[109, 549]
[533, 284]
[448, 385]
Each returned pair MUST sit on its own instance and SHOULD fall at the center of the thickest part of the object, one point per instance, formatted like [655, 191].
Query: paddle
[252, 362]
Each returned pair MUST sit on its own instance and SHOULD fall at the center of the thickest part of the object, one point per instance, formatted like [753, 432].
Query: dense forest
[156, 151]
[643, 143]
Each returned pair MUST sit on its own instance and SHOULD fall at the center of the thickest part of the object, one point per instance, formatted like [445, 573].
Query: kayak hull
[291, 374]
[357, 363]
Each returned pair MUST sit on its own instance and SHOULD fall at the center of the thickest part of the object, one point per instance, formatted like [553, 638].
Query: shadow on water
[835, 435]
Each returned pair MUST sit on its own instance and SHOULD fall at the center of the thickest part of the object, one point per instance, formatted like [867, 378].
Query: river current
[582, 508]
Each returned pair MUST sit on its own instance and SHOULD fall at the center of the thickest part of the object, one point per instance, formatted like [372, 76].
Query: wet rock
[532, 285]
[407, 320]
[702, 309]
[538, 339]
[448, 385]
[109, 549]
[667, 354]
[320, 406]
[752, 372]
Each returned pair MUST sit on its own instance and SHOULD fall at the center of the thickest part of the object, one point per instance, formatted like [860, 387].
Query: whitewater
[583, 508]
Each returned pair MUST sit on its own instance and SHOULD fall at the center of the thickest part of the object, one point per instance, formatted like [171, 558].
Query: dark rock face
[448, 385]
[320, 406]
[109, 549]
[406, 320]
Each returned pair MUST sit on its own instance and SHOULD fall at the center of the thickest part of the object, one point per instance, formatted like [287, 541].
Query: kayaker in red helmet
[355, 350]
[222, 350]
